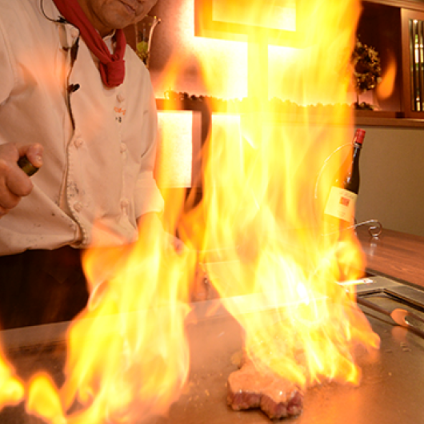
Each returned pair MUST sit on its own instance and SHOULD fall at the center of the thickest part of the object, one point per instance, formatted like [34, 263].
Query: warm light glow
[279, 14]
[227, 61]
[176, 136]
[280, 59]
[275, 259]
[43, 400]
[386, 86]
[128, 355]
[226, 134]
[11, 388]
[264, 200]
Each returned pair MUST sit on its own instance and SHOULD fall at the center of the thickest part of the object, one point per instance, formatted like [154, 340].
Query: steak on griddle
[249, 388]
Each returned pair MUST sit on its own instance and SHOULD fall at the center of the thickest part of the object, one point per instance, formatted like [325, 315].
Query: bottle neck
[351, 182]
[356, 151]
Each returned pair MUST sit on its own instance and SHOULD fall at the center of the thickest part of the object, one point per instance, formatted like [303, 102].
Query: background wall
[392, 178]
[392, 171]
[178, 52]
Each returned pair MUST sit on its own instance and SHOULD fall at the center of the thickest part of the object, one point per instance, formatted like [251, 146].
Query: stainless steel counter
[391, 391]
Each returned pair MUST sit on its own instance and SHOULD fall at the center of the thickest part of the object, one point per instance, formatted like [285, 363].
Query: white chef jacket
[99, 143]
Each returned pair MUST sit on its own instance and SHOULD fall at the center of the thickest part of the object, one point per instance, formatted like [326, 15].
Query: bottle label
[341, 204]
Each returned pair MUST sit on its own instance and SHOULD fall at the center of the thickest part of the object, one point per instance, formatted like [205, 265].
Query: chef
[77, 104]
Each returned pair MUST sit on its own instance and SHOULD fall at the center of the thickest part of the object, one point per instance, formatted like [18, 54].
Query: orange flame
[273, 256]
[128, 355]
[43, 400]
[266, 239]
[388, 79]
[11, 388]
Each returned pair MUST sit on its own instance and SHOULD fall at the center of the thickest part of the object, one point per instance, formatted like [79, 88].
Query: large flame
[388, 79]
[11, 388]
[128, 357]
[266, 238]
[274, 257]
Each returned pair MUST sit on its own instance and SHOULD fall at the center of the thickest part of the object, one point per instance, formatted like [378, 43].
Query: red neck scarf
[112, 66]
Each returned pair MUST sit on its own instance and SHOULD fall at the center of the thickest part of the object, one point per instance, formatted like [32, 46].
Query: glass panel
[277, 14]
[420, 64]
[416, 31]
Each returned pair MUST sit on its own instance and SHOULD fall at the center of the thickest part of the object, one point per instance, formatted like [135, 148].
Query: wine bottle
[342, 198]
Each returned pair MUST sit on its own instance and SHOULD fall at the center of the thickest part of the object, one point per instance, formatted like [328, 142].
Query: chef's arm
[14, 183]
[151, 227]
[149, 223]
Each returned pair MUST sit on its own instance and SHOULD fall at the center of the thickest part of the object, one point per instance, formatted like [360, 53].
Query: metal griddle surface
[391, 391]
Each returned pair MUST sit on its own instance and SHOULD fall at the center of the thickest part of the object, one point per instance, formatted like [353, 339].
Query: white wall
[392, 178]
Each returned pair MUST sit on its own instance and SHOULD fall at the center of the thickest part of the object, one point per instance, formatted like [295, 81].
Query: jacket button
[123, 147]
[74, 33]
[78, 206]
[120, 98]
[78, 142]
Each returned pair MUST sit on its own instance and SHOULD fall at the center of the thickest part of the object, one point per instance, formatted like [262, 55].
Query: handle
[27, 166]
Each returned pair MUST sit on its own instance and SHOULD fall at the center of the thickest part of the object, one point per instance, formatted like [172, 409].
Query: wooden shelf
[361, 117]
[384, 25]
[381, 25]
[407, 4]
[389, 122]
[385, 119]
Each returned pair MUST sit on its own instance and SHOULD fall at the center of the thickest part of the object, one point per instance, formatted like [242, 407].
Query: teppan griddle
[391, 390]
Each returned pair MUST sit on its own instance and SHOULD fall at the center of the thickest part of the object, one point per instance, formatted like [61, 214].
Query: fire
[266, 238]
[11, 388]
[128, 355]
[43, 400]
[274, 258]
[386, 86]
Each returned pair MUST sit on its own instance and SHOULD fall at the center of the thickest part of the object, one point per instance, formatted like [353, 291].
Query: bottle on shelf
[342, 198]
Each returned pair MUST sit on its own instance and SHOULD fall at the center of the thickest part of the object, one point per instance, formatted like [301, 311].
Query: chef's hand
[150, 227]
[176, 244]
[14, 183]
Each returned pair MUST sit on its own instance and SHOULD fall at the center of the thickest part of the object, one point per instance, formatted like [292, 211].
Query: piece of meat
[276, 397]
